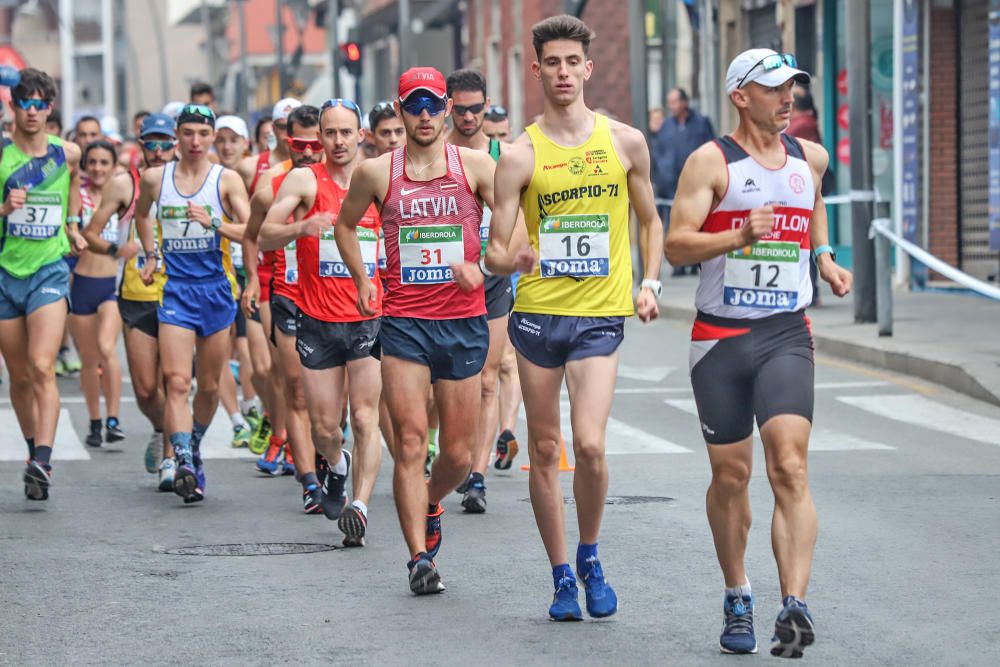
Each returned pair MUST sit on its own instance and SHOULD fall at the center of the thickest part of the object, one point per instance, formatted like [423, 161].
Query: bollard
[883, 277]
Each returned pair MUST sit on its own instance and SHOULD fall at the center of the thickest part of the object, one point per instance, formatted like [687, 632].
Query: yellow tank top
[576, 210]
[132, 288]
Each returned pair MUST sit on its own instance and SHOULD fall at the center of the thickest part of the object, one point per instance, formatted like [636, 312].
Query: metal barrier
[881, 232]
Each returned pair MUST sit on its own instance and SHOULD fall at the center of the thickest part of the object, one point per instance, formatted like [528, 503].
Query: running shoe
[270, 461]
[335, 489]
[434, 531]
[154, 452]
[506, 450]
[287, 462]
[565, 606]
[737, 625]
[37, 479]
[464, 486]
[241, 436]
[72, 362]
[199, 473]
[312, 500]
[432, 452]
[424, 577]
[94, 438]
[113, 431]
[601, 598]
[474, 501]
[253, 418]
[261, 437]
[168, 468]
[794, 629]
[352, 524]
[185, 477]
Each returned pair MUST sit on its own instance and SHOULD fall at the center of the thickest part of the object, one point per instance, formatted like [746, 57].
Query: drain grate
[619, 500]
[248, 549]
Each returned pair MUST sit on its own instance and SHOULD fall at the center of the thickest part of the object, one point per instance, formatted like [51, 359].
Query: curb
[952, 376]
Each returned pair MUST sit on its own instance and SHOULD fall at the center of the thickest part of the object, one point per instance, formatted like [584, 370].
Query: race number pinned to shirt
[183, 235]
[426, 253]
[291, 264]
[763, 275]
[331, 263]
[484, 229]
[111, 233]
[39, 218]
[575, 246]
[382, 262]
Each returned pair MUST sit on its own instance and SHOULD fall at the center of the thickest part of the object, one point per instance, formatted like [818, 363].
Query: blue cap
[10, 77]
[157, 123]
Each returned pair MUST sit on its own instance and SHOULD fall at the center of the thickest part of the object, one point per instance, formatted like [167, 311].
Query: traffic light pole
[333, 44]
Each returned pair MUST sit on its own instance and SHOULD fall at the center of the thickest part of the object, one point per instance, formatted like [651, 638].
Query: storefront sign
[910, 121]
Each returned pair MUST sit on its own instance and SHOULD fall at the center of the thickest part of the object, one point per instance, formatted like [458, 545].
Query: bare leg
[489, 410]
[728, 504]
[365, 387]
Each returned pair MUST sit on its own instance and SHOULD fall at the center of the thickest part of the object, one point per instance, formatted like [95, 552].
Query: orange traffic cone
[564, 465]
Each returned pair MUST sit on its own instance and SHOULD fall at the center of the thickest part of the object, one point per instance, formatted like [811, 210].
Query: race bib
[110, 233]
[484, 229]
[236, 252]
[140, 259]
[291, 264]
[39, 218]
[575, 246]
[764, 275]
[183, 235]
[426, 253]
[331, 264]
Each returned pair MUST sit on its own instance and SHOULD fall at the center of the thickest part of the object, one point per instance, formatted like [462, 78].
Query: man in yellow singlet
[574, 173]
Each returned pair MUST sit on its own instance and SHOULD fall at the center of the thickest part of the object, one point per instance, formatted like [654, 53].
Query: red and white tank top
[772, 275]
[428, 226]
[263, 164]
[326, 290]
[285, 273]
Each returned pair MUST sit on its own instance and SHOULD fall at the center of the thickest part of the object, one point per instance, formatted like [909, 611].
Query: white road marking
[645, 373]
[217, 443]
[925, 413]
[821, 439]
[73, 400]
[67, 446]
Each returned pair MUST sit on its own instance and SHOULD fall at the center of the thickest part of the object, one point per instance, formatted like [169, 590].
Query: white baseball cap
[749, 67]
[284, 107]
[234, 123]
[173, 108]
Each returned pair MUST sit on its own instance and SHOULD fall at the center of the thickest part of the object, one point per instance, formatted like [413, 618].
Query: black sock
[309, 478]
[43, 454]
[95, 425]
[31, 447]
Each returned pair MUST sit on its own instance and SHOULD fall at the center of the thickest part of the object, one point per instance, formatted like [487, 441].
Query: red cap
[422, 78]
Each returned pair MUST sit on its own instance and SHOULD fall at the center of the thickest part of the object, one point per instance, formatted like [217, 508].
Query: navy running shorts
[499, 297]
[86, 294]
[284, 316]
[550, 341]
[322, 345]
[741, 369]
[140, 315]
[451, 349]
[204, 307]
[20, 297]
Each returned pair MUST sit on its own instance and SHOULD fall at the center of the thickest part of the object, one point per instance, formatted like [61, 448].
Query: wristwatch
[654, 285]
[113, 249]
[825, 249]
[216, 223]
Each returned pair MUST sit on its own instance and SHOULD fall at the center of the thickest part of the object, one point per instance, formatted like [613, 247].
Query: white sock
[341, 467]
[740, 591]
[361, 507]
[238, 420]
[246, 406]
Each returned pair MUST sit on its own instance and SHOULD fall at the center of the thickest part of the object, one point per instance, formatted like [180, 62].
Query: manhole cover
[618, 500]
[248, 549]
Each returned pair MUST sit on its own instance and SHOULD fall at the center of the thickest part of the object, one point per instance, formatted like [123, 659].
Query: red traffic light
[352, 51]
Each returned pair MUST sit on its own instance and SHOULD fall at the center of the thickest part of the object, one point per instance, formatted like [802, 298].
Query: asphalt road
[905, 477]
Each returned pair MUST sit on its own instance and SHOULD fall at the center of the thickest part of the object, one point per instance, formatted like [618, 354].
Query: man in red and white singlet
[331, 337]
[434, 330]
[749, 210]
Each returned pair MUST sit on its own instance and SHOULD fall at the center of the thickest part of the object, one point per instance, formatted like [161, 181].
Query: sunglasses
[153, 146]
[382, 107]
[347, 104]
[496, 112]
[198, 110]
[416, 105]
[771, 62]
[40, 105]
[302, 145]
[474, 109]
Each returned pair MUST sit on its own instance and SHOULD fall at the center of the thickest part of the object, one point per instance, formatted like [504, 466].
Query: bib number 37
[576, 246]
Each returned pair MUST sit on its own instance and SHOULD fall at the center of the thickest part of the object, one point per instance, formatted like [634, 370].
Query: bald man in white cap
[749, 210]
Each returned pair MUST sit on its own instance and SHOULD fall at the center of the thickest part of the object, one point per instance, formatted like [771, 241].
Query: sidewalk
[949, 339]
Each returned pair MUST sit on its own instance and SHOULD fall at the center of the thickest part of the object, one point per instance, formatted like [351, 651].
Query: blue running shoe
[601, 598]
[185, 477]
[794, 630]
[287, 461]
[199, 491]
[434, 531]
[424, 577]
[269, 462]
[737, 625]
[564, 603]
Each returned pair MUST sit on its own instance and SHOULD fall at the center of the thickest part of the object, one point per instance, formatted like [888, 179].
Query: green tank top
[35, 234]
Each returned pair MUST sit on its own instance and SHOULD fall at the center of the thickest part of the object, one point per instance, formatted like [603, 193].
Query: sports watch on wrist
[825, 248]
[654, 285]
[216, 223]
[112, 249]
